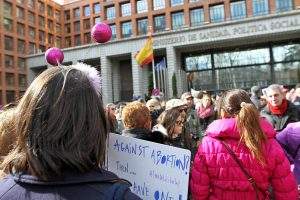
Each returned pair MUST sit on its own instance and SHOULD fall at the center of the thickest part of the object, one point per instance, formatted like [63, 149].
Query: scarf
[204, 112]
[279, 110]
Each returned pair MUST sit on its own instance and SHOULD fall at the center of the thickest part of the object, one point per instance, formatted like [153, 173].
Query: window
[86, 11]
[159, 23]
[77, 26]
[9, 61]
[20, 13]
[77, 40]
[31, 48]
[113, 31]
[21, 64]
[126, 29]
[8, 26]
[76, 13]
[197, 17]
[217, 13]
[110, 13]
[50, 39]
[87, 38]
[193, 1]
[10, 80]
[21, 29]
[42, 36]
[177, 20]
[8, 43]
[86, 24]
[176, 2]
[31, 18]
[126, 9]
[58, 28]
[58, 42]
[31, 31]
[158, 4]
[50, 25]
[30, 4]
[10, 96]
[67, 15]
[42, 48]
[97, 20]
[260, 7]
[21, 46]
[7, 10]
[57, 15]
[142, 26]
[284, 5]
[49, 11]
[22, 80]
[97, 8]
[67, 28]
[41, 7]
[41, 21]
[202, 62]
[141, 6]
[68, 41]
[238, 9]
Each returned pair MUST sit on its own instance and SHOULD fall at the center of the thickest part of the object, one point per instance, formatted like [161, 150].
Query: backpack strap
[246, 173]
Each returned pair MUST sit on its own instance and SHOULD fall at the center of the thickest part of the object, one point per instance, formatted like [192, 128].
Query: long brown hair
[237, 103]
[168, 120]
[60, 125]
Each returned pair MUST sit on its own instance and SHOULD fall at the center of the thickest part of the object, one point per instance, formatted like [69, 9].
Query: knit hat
[174, 103]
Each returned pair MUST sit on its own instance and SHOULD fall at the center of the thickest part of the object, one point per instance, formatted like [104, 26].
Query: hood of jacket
[227, 128]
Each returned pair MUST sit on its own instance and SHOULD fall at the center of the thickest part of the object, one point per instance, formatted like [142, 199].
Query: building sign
[156, 171]
[232, 31]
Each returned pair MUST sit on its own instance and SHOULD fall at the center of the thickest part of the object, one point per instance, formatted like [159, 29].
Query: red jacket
[216, 175]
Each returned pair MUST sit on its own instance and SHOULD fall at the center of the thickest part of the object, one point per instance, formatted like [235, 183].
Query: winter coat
[144, 134]
[216, 176]
[289, 139]
[280, 122]
[95, 185]
[192, 125]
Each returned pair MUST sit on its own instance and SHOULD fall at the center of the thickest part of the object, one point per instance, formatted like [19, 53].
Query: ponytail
[250, 130]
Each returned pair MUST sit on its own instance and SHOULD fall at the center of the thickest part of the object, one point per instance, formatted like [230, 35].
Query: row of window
[10, 96]
[237, 8]
[86, 11]
[21, 44]
[9, 63]
[20, 12]
[243, 69]
[10, 80]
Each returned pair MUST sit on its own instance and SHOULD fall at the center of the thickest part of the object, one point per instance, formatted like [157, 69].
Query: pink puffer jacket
[216, 176]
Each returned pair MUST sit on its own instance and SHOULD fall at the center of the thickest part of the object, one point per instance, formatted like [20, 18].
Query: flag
[145, 55]
[161, 65]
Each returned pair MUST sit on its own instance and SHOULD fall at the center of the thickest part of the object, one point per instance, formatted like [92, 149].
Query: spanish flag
[145, 55]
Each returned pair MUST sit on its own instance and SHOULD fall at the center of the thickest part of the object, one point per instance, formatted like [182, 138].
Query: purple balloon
[101, 32]
[54, 56]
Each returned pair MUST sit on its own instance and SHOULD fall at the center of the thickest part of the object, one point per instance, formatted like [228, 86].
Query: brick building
[218, 44]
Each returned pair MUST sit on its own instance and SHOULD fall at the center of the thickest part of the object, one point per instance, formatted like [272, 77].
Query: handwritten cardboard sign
[156, 171]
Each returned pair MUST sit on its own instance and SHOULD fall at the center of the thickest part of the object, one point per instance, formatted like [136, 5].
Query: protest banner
[156, 171]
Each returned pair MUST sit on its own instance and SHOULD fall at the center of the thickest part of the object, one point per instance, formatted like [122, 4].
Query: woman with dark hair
[61, 140]
[240, 158]
[170, 125]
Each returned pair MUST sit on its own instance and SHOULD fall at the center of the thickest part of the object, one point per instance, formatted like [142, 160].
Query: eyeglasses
[179, 123]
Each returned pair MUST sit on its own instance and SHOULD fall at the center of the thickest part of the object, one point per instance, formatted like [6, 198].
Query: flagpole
[153, 70]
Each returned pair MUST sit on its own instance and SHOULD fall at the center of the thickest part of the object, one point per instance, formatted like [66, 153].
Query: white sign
[156, 171]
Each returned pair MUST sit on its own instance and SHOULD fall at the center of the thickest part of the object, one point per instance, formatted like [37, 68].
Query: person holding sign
[61, 141]
[240, 158]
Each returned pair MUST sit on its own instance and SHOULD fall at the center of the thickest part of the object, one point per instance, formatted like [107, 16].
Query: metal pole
[153, 70]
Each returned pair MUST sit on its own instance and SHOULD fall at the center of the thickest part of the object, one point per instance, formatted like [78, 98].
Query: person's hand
[290, 94]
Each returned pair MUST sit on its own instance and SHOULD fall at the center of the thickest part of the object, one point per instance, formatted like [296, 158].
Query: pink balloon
[101, 33]
[54, 56]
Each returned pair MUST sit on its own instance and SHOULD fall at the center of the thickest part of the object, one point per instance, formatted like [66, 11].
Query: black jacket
[280, 122]
[144, 134]
[95, 185]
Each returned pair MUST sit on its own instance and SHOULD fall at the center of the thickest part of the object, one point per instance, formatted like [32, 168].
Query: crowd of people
[53, 141]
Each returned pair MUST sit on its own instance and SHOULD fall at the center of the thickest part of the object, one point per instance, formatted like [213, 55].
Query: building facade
[210, 45]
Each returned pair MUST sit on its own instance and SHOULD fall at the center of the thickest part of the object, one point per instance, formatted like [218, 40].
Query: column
[173, 63]
[106, 76]
[116, 80]
[139, 80]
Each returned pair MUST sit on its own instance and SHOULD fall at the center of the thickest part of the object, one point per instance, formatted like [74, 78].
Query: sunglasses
[179, 123]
